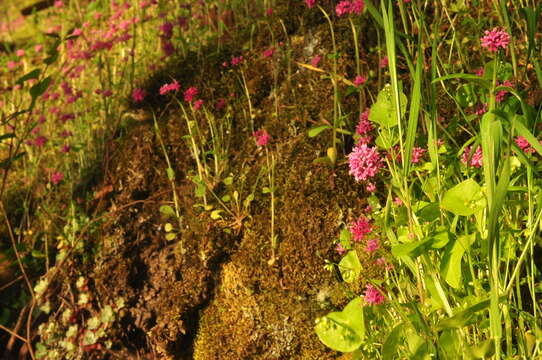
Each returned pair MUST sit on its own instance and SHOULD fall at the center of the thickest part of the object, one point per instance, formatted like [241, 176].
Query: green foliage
[343, 331]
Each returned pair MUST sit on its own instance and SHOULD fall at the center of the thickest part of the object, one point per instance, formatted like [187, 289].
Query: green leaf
[464, 199]
[228, 180]
[38, 89]
[462, 318]
[413, 249]
[215, 214]
[34, 74]
[170, 174]
[350, 267]
[392, 342]
[170, 236]
[167, 210]
[450, 345]
[484, 350]
[6, 163]
[450, 267]
[7, 136]
[343, 331]
[383, 111]
[317, 130]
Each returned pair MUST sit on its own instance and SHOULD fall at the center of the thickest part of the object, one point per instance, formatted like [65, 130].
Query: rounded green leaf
[343, 331]
[350, 267]
[464, 199]
[383, 110]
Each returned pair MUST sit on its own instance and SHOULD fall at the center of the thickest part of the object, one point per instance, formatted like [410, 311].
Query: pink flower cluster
[360, 228]
[310, 3]
[347, 7]
[501, 95]
[364, 162]
[373, 296]
[359, 80]
[495, 39]
[174, 86]
[262, 137]
[476, 159]
[139, 95]
[524, 145]
[417, 154]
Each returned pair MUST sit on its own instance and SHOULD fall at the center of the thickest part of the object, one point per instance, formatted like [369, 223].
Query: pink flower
[364, 126]
[495, 39]
[340, 249]
[476, 159]
[269, 12]
[371, 187]
[190, 94]
[480, 109]
[174, 86]
[65, 148]
[357, 7]
[269, 52]
[343, 8]
[501, 95]
[372, 246]
[59, 4]
[38, 48]
[384, 62]
[316, 60]
[77, 32]
[479, 71]
[310, 3]
[397, 201]
[220, 104]
[364, 162]
[373, 296]
[360, 228]
[57, 177]
[12, 65]
[237, 60]
[20, 53]
[167, 47]
[197, 104]
[524, 145]
[40, 141]
[417, 154]
[138, 95]
[262, 137]
[359, 80]
[368, 209]
[166, 30]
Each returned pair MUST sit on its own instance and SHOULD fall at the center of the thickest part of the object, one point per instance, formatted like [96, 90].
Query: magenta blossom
[476, 159]
[340, 249]
[310, 3]
[316, 60]
[197, 104]
[360, 228]
[364, 162]
[495, 39]
[139, 95]
[524, 145]
[262, 137]
[371, 187]
[360, 80]
[373, 296]
[57, 177]
[417, 154]
[174, 86]
[190, 94]
[364, 126]
[372, 246]
[269, 53]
